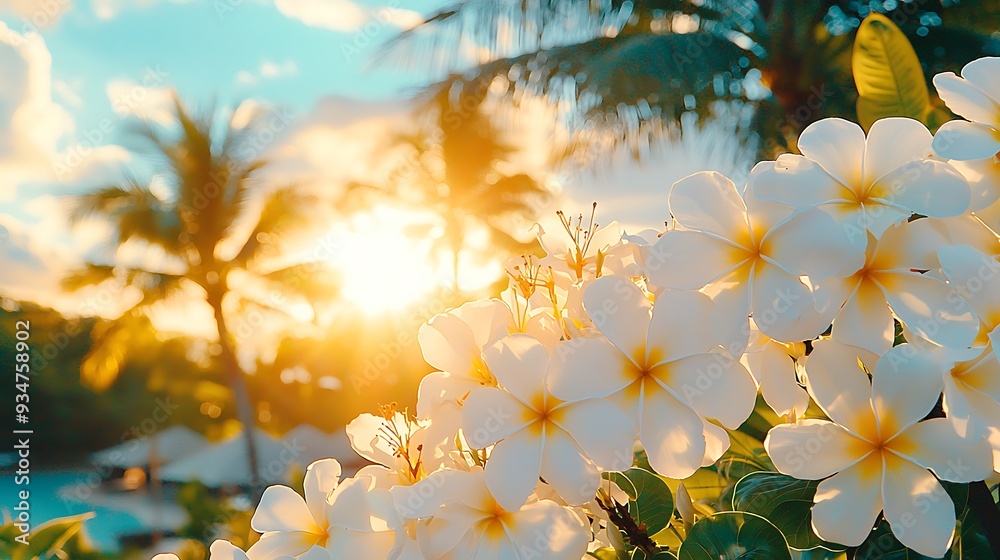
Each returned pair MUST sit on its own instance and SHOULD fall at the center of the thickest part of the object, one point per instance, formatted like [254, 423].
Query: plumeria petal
[584, 368]
[962, 140]
[919, 511]
[893, 142]
[681, 326]
[921, 372]
[976, 277]
[848, 503]
[345, 543]
[839, 385]
[447, 344]
[796, 181]
[513, 468]
[782, 306]
[453, 532]
[774, 370]
[965, 99]
[813, 449]
[838, 146]
[225, 550]
[910, 245]
[671, 433]
[364, 433]
[984, 73]
[601, 429]
[564, 536]
[569, 473]
[810, 243]
[282, 509]
[928, 187]
[519, 363]
[716, 443]
[934, 444]
[709, 202]
[277, 545]
[865, 320]
[714, 385]
[621, 312]
[490, 415]
[688, 260]
[930, 308]
[355, 505]
[488, 320]
[322, 477]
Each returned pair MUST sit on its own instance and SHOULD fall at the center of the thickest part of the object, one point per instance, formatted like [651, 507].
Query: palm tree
[456, 169]
[629, 67]
[197, 225]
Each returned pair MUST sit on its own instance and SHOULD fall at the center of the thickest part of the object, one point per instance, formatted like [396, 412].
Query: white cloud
[31, 125]
[345, 15]
[149, 102]
[38, 247]
[109, 9]
[35, 14]
[268, 70]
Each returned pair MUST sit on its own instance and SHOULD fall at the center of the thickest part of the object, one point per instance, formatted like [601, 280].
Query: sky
[77, 71]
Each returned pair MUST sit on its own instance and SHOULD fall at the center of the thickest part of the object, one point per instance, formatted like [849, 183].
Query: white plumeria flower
[343, 519]
[580, 252]
[774, 370]
[972, 387]
[225, 550]
[877, 449]
[453, 343]
[864, 184]
[537, 434]
[660, 369]
[891, 283]
[463, 520]
[394, 443]
[972, 146]
[750, 257]
[975, 96]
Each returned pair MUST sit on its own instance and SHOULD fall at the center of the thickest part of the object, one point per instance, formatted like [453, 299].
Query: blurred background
[225, 220]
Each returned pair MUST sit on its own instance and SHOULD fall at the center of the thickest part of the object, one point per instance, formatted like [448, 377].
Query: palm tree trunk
[244, 407]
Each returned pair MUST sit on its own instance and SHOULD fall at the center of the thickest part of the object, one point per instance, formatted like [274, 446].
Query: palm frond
[285, 210]
[311, 281]
[90, 275]
[134, 212]
[475, 31]
[112, 342]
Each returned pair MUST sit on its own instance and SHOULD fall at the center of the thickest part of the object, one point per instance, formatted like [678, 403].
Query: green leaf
[638, 554]
[650, 500]
[605, 553]
[745, 455]
[784, 501]
[50, 537]
[887, 73]
[732, 535]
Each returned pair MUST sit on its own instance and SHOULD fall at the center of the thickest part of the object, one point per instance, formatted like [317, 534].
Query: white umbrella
[225, 462]
[314, 444]
[159, 447]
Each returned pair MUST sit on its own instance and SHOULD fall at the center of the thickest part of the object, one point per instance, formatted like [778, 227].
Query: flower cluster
[860, 275]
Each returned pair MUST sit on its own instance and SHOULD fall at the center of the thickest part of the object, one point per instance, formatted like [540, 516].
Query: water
[46, 504]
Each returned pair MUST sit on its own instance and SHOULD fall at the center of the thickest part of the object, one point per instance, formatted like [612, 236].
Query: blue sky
[201, 47]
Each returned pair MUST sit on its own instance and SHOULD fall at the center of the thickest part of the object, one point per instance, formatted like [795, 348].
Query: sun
[382, 267]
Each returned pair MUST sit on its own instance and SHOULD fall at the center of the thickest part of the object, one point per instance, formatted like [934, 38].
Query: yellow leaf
[887, 73]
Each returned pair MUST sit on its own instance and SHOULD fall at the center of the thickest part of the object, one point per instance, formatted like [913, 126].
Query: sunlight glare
[383, 268]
